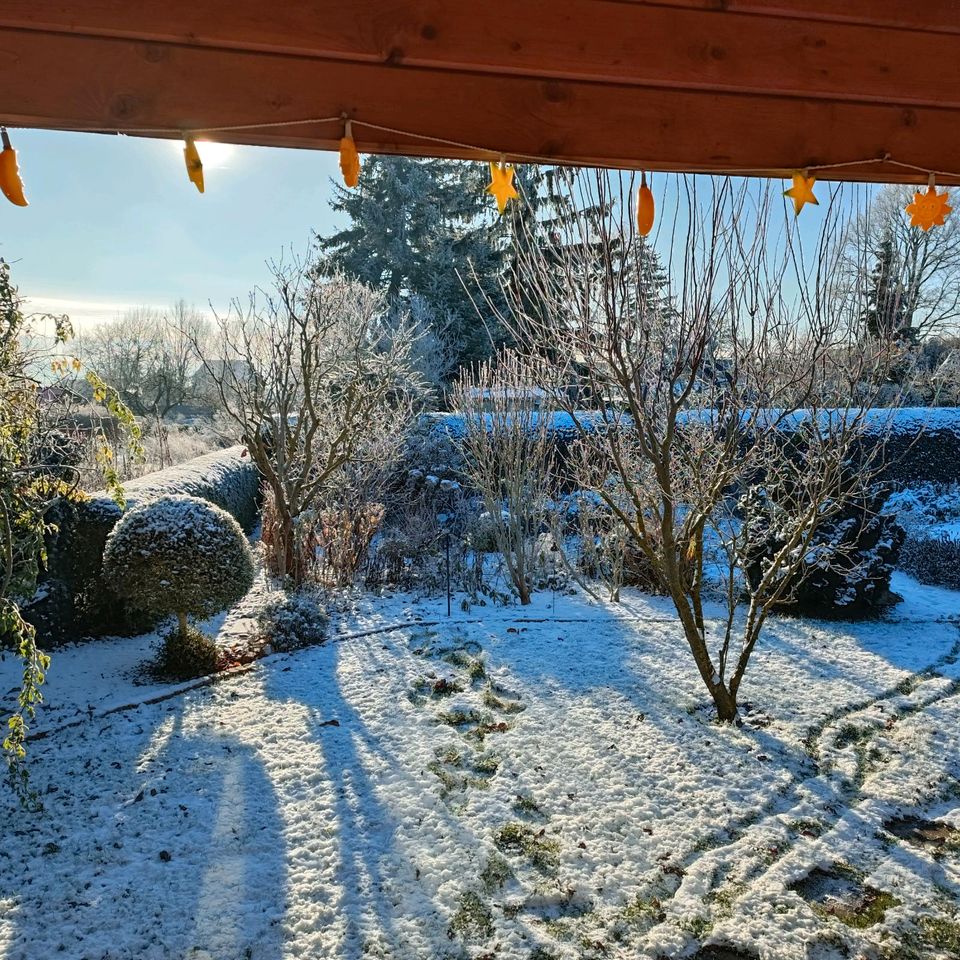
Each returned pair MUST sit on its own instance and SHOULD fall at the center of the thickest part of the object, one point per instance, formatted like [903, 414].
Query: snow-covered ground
[511, 783]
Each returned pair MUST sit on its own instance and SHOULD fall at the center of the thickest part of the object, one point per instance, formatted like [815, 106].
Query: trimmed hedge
[933, 560]
[922, 443]
[73, 599]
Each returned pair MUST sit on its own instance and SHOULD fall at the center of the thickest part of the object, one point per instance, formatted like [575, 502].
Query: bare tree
[507, 453]
[151, 356]
[908, 279]
[308, 371]
[700, 393]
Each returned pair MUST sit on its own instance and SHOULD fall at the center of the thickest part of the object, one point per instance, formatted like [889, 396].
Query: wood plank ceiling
[711, 85]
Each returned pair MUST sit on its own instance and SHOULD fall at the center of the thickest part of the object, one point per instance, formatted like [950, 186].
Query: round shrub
[291, 621]
[183, 655]
[178, 555]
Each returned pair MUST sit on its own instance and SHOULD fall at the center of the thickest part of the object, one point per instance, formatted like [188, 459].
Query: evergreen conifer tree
[424, 229]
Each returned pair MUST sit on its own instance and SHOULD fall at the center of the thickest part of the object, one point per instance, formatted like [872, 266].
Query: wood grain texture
[714, 85]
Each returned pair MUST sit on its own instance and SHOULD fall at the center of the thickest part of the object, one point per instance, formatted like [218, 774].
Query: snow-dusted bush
[76, 600]
[846, 571]
[289, 621]
[178, 555]
[926, 505]
[185, 655]
[933, 559]
[482, 532]
[508, 459]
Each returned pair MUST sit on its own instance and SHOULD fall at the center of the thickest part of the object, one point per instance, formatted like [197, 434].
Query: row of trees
[150, 357]
[422, 235]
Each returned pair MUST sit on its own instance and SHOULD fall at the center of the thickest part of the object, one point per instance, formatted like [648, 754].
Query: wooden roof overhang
[693, 85]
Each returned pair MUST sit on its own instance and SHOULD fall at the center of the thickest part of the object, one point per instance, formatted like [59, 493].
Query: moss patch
[525, 805]
[460, 718]
[496, 873]
[499, 699]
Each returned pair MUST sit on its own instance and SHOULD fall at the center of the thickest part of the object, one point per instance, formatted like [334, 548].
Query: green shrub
[76, 599]
[183, 655]
[178, 555]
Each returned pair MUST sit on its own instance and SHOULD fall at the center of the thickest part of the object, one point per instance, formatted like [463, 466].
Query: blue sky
[113, 221]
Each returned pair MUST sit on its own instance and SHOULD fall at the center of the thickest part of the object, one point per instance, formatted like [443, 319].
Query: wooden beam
[126, 85]
[684, 45]
[935, 16]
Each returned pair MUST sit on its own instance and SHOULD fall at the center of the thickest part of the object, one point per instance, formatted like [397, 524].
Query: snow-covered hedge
[922, 443]
[933, 559]
[73, 600]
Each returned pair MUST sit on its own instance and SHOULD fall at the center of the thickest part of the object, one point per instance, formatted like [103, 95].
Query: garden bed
[544, 782]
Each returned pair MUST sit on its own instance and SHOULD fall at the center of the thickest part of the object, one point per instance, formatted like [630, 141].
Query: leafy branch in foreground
[32, 479]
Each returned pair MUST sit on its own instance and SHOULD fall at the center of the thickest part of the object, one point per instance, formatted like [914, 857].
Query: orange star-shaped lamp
[501, 184]
[191, 157]
[801, 192]
[928, 208]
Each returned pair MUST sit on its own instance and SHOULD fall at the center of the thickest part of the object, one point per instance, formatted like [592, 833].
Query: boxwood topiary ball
[178, 554]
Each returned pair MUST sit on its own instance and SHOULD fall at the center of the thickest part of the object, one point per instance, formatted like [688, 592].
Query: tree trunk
[726, 704]
[724, 699]
[182, 620]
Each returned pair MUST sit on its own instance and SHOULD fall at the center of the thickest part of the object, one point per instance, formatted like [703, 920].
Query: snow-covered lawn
[512, 783]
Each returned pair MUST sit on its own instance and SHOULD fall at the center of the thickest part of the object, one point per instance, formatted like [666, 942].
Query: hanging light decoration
[194, 164]
[349, 158]
[929, 208]
[501, 186]
[801, 193]
[646, 208]
[10, 182]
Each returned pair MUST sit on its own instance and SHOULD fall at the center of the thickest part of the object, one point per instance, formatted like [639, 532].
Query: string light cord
[490, 153]
[928, 209]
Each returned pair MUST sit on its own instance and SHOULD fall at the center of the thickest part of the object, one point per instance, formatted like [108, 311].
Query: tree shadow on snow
[169, 843]
[383, 905]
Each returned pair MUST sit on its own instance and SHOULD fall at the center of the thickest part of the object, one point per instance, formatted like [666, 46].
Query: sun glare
[214, 155]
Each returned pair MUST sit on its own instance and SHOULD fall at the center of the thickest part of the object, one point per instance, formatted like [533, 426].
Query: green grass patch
[460, 718]
[494, 699]
[496, 873]
[525, 804]
[519, 838]
[473, 919]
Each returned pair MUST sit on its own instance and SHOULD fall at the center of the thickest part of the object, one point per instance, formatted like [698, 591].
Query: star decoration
[928, 209]
[501, 184]
[191, 157]
[801, 192]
